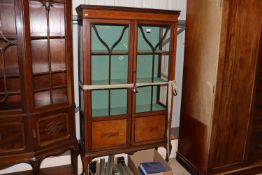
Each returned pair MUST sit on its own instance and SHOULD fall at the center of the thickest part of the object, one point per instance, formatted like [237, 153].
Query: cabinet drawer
[52, 129]
[150, 128]
[256, 145]
[109, 133]
[12, 137]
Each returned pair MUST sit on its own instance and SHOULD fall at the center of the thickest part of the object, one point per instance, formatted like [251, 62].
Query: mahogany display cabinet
[126, 59]
[36, 82]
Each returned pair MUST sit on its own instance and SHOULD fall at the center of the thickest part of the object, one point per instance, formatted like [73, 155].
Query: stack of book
[151, 168]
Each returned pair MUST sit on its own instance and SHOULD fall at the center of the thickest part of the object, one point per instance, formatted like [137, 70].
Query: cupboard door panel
[109, 133]
[149, 128]
[12, 137]
[52, 129]
[256, 146]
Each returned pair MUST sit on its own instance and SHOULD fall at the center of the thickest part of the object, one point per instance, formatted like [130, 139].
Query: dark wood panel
[237, 69]
[52, 129]
[12, 137]
[109, 133]
[149, 128]
[256, 146]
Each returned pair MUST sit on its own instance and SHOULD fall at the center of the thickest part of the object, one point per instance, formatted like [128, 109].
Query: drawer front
[12, 137]
[52, 129]
[109, 133]
[149, 128]
[256, 146]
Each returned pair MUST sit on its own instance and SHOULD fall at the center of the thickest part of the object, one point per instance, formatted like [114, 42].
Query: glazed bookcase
[126, 59]
[36, 91]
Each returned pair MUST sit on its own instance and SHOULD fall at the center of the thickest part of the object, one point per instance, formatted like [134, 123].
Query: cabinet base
[35, 161]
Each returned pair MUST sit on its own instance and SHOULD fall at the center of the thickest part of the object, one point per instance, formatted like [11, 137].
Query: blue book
[141, 171]
[152, 167]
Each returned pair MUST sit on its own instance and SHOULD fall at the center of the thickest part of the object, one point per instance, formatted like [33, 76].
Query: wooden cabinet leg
[74, 154]
[36, 163]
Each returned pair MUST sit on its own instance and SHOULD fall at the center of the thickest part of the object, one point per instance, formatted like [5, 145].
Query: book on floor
[152, 167]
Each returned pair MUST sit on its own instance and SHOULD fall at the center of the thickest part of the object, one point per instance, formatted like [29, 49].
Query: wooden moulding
[109, 12]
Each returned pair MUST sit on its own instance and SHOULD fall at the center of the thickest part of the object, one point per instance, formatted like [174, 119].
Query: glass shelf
[149, 80]
[146, 108]
[52, 72]
[104, 112]
[149, 52]
[46, 89]
[110, 53]
[113, 81]
[45, 37]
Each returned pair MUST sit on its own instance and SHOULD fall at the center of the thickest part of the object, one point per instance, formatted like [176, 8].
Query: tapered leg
[74, 154]
[35, 163]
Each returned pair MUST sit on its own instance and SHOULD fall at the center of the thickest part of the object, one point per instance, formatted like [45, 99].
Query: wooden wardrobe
[221, 116]
[36, 82]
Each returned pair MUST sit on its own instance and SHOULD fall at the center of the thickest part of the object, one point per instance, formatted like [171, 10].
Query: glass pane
[42, 98]
[7, 16]
[143, 99]
[38, 19]
[159, 101]
[119, 69]
[100, 103]
[100, 69]
[57, 51]
[109, 37]
[59, 96]
[151, 98]
[39, 49]
[57, 19]
[118, 101]
[152, 68]
[153, 38]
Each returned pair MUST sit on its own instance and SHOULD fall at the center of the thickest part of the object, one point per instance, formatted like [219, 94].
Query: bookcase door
[10, 75]
[48, 51]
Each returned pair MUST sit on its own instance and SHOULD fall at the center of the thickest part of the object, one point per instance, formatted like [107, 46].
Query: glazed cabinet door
[108, 64]
[13, 137]
[153, 62]
[48, 52]
[10, 68]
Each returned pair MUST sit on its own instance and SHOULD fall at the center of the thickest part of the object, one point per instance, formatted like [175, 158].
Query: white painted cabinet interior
[157, 4]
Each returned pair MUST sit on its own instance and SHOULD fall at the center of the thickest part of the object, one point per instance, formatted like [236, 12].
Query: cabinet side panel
[236, 78]
[200, 71]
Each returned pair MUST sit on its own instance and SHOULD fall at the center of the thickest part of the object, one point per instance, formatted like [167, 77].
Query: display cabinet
[126, 61]
[36, 83]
